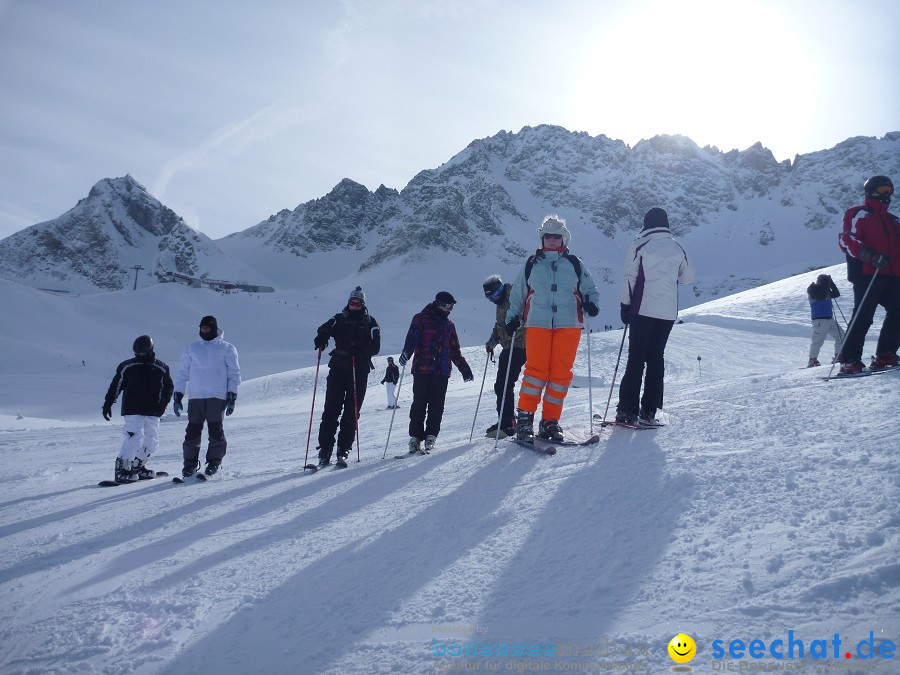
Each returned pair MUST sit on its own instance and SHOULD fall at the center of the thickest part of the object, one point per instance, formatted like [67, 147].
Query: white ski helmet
[553, 224]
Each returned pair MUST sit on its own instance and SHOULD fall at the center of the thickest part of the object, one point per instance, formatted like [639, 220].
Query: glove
[625, 313]
[107, 412]
[403, 359]
[230, 398]
[591, 308]
[881, 260]
[513, 325]
[320, 341]
[177, 407]
[467, 374]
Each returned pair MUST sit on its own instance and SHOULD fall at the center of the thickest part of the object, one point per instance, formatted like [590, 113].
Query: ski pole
[587, 323]
[615, 372]
[478, 404]
[355, 406]
[394, 411]
[699, 368]
[312, 408]
[856, 312]
[512, 345]
[840, 332]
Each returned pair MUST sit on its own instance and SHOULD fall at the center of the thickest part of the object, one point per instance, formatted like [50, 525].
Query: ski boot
[550, 430]
[626, 418]
[124, 472]
[415, 445]
[524, 426]
[884, 360]
[139, 467]
[211, 469]
[189, 471]
[813, 363]
[343, 454]
[429, 444]
[647, 417]
[851, 368]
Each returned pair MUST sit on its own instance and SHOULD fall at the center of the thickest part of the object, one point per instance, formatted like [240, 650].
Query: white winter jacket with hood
[210, 368]
[654, 267]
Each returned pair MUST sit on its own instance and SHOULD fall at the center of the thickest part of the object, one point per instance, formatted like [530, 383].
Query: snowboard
[112, 483]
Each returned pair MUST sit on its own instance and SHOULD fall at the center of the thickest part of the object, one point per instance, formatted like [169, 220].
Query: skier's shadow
[315, 616]
[588, 554]
[342, 504]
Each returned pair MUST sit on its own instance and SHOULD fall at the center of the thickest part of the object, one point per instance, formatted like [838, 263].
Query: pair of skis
[339, 464]
[200, 476]
[545, 446]
[625, 425]
[863, 373]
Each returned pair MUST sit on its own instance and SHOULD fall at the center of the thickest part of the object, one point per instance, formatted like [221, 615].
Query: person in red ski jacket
[871, 240]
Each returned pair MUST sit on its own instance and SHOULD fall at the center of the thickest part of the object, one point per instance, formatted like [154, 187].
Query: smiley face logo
[682, 648]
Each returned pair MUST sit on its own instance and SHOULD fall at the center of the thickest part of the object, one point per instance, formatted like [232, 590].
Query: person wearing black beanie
[433, 345]
[357, 338]
[654, 267]
[211, 367]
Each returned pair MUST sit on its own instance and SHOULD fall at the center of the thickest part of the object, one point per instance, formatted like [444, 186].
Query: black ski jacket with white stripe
[147, 387]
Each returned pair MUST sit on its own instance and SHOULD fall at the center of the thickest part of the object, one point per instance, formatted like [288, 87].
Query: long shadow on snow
[348, 502]
[43, 560]
[127, 492]
[601, 534]
[160, 549]
[313, 618]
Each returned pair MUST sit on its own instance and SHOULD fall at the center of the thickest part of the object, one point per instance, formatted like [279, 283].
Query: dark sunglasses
[355, 303]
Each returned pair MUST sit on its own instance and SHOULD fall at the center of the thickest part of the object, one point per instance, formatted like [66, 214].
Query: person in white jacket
[211, 367]
[654, 267]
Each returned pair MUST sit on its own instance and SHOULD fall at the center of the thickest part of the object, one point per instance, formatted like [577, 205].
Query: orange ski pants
[548, 369]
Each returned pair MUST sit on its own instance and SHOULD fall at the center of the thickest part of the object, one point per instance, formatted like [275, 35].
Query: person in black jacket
[147, 387]
[390, 379]
[820, 294]
[357, 338]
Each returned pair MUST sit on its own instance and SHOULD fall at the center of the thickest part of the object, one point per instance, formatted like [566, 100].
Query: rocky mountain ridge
[483, 205]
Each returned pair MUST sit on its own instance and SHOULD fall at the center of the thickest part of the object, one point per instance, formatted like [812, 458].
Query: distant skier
[654, 267]
[820, 294]
[871, 240]
[432, 339]
[146, 387]
[550, 295]
[357, 338]
[512, 357]
[210, 365]
[390, 379]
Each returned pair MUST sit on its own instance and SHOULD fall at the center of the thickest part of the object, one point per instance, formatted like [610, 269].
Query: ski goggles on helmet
[884, 190]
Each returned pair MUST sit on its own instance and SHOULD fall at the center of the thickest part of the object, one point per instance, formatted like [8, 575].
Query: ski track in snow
[769, 503]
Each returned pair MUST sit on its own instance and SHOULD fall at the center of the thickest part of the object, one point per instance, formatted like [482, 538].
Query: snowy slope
[768, 505]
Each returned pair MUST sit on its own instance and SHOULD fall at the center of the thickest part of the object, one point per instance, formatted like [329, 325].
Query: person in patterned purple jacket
[433, 341]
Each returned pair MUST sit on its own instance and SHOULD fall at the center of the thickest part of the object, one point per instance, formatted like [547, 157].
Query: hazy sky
[229, 111]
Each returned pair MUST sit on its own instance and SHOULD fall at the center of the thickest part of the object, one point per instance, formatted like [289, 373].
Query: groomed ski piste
[767, 509]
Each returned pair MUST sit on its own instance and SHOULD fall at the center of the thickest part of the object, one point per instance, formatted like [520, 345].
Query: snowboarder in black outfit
[498, 293]
[357, 338]
[390, 379]
[147, 389]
